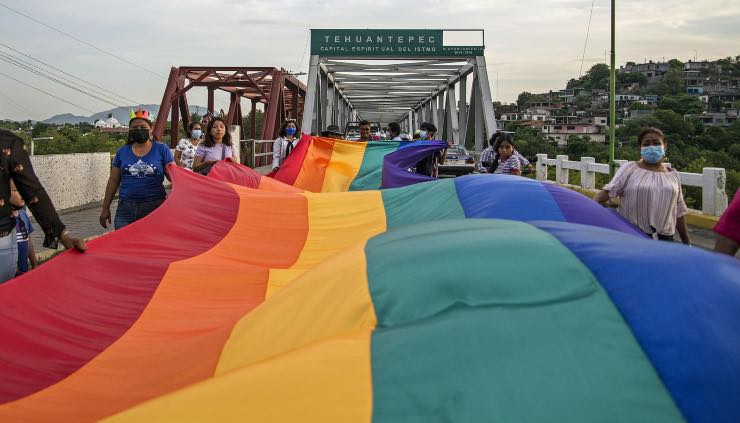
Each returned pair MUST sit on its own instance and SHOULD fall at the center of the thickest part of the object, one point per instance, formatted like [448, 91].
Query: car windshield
[453, 151]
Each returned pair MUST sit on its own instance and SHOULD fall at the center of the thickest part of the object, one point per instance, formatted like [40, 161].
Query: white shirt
[279, 150]
[187, 150]
[650, 200]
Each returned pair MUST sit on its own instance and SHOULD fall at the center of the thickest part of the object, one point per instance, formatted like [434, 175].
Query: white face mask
[423, 135]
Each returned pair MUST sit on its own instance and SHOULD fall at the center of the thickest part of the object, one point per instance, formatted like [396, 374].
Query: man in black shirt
[15, 164]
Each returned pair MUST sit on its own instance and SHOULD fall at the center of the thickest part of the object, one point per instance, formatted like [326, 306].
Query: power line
[115, 56]
[588, 30]
[23, 109]
[50, 95]
[303, 56]
[51, 78]
[48, 74]
[68, 74]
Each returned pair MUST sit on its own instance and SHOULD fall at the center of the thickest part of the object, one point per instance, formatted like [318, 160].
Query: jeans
[8, 256]
[129, 211]
[22, 257]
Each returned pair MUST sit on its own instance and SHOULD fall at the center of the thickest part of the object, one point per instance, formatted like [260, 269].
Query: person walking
[139, 169]
[15, 165]
[650, 192]
[285, 143]
[185, 150]
[216, 146]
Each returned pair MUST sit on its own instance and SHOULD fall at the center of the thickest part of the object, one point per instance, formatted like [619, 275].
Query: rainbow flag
[483, 298]
[330, 165]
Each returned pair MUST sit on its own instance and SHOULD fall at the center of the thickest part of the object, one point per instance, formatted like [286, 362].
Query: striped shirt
[651, 200]
[508, 165]
[23, 227]
[488, 155]
[485, 157]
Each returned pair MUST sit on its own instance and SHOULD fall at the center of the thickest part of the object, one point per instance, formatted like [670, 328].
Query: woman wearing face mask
[185, 150]
[650, 193]
[285, 143]
[139, 168]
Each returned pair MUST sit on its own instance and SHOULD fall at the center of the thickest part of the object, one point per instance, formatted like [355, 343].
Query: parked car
[458, 162]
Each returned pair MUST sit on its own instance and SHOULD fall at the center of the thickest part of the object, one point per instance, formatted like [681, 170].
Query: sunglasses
[290, 120]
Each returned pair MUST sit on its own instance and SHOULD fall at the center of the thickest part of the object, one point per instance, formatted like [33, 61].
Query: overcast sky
[533, 45]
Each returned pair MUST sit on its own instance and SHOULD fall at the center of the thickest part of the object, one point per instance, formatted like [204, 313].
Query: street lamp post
[612, 98]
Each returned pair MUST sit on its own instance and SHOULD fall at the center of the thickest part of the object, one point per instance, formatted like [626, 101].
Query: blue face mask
[653, 154]
[290, 131]
[423, 135]
[196, 133]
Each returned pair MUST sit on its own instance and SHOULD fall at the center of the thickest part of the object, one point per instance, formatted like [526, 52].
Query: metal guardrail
[257, 153]
[711, 181]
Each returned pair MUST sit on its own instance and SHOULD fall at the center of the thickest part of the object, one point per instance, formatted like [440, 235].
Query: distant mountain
[66, 118]
[120, 113]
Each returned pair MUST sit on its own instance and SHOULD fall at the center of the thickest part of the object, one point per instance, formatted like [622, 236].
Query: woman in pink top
[650, 192]
[216, 146]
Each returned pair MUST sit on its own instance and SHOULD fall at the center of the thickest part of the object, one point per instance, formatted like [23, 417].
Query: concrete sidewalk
[82, 223]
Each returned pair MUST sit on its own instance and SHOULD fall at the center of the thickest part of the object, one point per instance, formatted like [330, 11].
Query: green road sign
[386, 43]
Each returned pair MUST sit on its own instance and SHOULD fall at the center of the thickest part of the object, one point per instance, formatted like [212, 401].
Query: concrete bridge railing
[711, 180]
[73, 180]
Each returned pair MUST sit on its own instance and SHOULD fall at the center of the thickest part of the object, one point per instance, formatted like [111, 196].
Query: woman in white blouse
[285, 143]
[650, 194]
[185, 150]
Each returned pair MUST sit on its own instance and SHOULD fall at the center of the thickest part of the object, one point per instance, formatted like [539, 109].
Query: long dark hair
[282, 133]
[497, 140]
[209, 141]
[149, 122]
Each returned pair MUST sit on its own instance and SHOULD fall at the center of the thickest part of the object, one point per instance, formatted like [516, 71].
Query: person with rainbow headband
[139, 169]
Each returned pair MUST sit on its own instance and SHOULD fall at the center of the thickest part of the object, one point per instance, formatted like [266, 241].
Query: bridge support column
[309, 105]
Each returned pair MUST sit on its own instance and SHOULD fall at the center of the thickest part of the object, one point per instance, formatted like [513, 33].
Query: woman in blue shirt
[139, 168]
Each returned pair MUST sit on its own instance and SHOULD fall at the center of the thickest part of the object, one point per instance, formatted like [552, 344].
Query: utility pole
[612, 97]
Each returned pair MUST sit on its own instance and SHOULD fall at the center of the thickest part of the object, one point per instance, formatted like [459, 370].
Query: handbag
[204, 171]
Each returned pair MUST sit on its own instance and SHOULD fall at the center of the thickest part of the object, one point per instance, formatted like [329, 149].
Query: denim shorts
[8, 256]
[129, 211]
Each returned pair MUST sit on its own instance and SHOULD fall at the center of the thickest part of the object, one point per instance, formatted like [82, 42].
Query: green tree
[247, 124]
[673, 81]
[597, 76]
[682, 104]
[524, 100]
[529, 143]
[632, 78]
[716, 104]
[583, 102]
[640, 106]
[39, 129]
